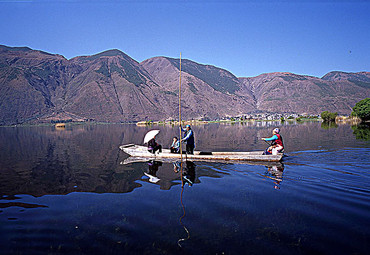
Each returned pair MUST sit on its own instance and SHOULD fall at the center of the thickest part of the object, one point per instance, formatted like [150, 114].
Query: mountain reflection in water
[72, 191]
[45, 160]
[85, 158]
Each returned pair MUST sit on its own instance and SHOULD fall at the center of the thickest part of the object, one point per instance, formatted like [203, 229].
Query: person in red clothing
[277, 144]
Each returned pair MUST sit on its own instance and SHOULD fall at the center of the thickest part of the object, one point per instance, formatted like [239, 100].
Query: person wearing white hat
[277, 144]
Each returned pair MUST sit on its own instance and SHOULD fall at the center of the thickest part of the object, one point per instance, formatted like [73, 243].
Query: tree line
[360, 110]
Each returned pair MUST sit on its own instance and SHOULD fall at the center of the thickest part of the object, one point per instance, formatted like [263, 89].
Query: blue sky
[247, 38]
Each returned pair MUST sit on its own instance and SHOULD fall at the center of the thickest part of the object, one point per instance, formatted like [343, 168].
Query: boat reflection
[168, 173]
[153, 169]
[187, 173]
[275, 173]
[166, 176]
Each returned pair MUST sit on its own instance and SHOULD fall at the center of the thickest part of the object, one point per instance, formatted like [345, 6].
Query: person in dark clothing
[189, 139]
[153, 146]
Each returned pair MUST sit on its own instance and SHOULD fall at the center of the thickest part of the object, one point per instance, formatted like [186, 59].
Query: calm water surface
[69, 192]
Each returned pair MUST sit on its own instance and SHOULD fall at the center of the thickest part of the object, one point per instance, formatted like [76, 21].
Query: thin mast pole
[180, 110]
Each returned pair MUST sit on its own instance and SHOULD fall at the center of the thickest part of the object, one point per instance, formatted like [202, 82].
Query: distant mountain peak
[7, 48]
[363, 77]
[111, 53]
[335, 75]
[25, 49]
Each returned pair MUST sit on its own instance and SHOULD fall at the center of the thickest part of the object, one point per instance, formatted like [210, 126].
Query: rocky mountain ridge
[37, 86]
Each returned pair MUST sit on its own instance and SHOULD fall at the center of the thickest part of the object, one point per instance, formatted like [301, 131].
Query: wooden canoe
[142, 152]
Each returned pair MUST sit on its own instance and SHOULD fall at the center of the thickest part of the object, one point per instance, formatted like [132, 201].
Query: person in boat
[188, 138]
[277, 144]
[175, 146]
[153, 146]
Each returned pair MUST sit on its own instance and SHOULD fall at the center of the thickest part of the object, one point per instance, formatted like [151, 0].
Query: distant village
[271, 116]
[241, 118]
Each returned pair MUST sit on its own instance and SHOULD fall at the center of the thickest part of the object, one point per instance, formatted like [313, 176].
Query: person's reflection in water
[153, 167]
[189, 173]
[275, 173]
[176, 166]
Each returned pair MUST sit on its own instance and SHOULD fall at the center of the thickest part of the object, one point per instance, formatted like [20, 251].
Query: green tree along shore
[328, 116]
[362, 109]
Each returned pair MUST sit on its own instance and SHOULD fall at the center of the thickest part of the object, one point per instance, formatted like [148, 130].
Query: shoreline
[339, 120]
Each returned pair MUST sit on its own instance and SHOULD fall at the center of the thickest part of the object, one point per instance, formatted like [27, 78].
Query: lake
[68, 191]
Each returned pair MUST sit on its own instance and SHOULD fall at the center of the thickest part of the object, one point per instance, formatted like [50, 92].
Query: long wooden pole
[180, 111]
[181, 165]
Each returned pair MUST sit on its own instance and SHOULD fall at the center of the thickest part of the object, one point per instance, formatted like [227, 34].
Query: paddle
[267, 144]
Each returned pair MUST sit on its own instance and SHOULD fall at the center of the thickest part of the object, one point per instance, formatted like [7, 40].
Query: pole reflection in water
[186, 170]
[187, 176]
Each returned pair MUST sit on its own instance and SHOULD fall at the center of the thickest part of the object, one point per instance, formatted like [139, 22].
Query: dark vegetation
[362, 131]
[131, 74]
[329, 116]
[210, 75]
[362, 109]
[61, 121]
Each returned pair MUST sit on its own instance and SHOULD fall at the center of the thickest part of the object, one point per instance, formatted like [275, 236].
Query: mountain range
[37, 86]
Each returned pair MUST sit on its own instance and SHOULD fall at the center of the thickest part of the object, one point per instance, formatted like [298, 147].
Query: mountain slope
[111, 87]
[31, 82]
[207, 91]
[287, 92]
[36, 86]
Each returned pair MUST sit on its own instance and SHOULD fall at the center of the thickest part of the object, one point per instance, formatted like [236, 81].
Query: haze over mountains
[37, 86]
